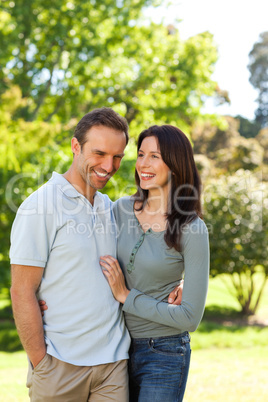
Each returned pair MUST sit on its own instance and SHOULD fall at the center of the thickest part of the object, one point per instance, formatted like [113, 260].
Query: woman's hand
[115, 277]
[43, 306]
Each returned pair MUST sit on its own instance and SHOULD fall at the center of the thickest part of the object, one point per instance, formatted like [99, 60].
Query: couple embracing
[114, 293]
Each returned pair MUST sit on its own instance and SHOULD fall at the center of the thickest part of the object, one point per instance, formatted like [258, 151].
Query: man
[80, 351]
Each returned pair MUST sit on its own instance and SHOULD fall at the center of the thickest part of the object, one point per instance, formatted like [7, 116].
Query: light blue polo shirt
[58, 229]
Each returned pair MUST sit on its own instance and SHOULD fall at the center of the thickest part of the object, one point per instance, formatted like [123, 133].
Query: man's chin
[99, 185]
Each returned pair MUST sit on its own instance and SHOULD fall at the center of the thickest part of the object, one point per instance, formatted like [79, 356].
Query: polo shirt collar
[71, 192]
[66, 187]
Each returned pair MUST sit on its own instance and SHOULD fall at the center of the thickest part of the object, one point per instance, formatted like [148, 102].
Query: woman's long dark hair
[184, 198]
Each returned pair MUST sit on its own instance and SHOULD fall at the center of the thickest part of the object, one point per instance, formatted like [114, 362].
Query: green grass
[228, 375]
[229, 358]
[211, 335]
[222, 375]
[13, 369]
[219, 297]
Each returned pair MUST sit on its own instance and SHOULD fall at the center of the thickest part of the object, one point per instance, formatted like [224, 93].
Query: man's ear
[76, 147]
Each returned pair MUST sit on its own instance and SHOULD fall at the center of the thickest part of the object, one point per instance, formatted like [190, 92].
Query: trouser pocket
[39, 375]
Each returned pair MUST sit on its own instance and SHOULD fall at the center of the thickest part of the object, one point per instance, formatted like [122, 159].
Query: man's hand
[25, 282]
[175, 296]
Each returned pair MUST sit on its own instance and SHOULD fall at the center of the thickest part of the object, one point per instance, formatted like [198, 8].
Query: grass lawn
[228, 375]
[13, 369]
[229, 357]
[222, 375]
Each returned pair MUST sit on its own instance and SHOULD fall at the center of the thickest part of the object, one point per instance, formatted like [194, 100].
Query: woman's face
[152, 170]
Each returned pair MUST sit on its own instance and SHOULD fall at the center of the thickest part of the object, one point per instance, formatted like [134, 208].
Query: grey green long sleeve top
[152, 270]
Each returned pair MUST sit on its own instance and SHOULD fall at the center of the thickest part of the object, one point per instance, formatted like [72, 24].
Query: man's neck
[82, 187]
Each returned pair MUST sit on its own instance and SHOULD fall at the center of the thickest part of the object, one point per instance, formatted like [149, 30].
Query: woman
[160, 237]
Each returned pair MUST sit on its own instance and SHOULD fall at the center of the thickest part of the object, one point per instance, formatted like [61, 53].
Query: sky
[236, 26]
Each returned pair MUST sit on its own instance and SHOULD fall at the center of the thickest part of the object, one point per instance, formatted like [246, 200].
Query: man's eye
[140, 155]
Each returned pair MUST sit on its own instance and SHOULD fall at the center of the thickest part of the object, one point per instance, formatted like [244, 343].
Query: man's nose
[108, 164]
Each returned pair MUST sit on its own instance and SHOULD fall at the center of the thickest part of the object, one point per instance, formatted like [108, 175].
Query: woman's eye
[140, 155]
[155, 156]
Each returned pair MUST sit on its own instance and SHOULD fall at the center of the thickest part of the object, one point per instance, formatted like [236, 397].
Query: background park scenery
[60, 60]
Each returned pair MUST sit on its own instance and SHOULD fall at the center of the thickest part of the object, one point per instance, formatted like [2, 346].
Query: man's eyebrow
[99, 151]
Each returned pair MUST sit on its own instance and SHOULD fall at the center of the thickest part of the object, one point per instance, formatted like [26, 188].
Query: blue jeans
[158, 368]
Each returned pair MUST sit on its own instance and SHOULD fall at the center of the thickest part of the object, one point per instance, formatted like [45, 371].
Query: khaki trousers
[53, 380]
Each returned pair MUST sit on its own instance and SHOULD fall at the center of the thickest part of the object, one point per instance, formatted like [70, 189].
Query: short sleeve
[33, 231]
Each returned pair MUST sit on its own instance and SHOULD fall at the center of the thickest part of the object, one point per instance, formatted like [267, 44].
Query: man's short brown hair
[104, 116]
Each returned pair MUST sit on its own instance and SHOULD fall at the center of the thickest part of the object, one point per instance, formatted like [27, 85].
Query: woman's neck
[157, 202]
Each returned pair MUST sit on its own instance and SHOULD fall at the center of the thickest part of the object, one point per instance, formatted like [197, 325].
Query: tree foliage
[234, 174]
[262, 137]
[30, 151]
[228, 150]
[247, 128]
[61, 59]
[70, 56]
[236, 211]
[258, 67]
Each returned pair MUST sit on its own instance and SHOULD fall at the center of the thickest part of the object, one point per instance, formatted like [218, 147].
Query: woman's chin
[148, 186]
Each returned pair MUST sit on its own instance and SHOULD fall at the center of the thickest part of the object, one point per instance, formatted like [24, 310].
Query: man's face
[100, 156]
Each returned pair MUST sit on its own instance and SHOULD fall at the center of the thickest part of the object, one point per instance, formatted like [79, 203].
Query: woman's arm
[115, 277]
[186, 316]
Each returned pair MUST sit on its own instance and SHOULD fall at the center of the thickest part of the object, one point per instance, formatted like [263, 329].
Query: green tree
[30, 151]
[258, 67]
[236, 212]
[60, 59]
[228, 150]
[247, 128]
[56, 51]
[262, 137]
[70, 56]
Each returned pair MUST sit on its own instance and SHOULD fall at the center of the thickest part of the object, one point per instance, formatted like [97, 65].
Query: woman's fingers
[108, 272]
[112, 263]
[42, 305]
[112, 270]
[106, 266]
[115, 277]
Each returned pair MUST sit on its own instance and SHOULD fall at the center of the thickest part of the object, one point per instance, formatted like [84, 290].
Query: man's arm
[28, 319]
